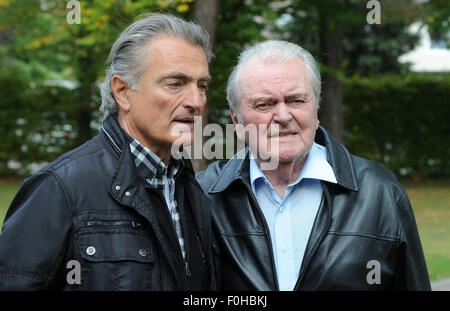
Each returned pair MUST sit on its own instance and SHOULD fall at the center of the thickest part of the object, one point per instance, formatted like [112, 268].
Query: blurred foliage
[367, 49]
[437, 17]
[37, 121]
[400, 121]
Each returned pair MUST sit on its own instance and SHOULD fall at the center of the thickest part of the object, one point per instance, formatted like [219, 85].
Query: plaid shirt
[155, 172]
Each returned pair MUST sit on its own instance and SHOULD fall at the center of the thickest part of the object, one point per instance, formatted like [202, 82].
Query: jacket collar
[339, 158]
[117, 140]
[337, 155]
[114, 135]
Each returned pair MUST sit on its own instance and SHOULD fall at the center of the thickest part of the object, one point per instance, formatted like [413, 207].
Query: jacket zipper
[268, 236]
[119, 223]
[187, 271]
[322, 236]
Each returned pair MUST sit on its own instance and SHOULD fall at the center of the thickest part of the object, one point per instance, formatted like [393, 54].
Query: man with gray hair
[119, 212]
[322, 219]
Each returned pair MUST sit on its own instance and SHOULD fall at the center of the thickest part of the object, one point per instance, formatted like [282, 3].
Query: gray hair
[127, 53]
[272, 51]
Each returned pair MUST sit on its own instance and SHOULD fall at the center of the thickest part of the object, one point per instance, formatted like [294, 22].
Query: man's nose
[194, 99]
[282, 114]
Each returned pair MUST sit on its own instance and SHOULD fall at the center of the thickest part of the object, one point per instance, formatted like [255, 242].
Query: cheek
[252, 117]
[307, 120]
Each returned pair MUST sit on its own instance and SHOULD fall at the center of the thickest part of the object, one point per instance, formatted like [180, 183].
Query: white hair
[272, 51]
[126, 58]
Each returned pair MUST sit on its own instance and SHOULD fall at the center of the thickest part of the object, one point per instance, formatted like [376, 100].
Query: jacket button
[90, 250]
[127, 193]
[143, 252]
[117, 187]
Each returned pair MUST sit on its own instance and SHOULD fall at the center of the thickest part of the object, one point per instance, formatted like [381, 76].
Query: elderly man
[322, 219]
[119, 212]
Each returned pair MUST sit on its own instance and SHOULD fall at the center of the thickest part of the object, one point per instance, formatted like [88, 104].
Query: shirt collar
[149, 164]
[316, 167]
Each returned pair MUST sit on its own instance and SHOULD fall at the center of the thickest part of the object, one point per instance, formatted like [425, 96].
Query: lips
[185, 120]
[287, 133]
[284, 134]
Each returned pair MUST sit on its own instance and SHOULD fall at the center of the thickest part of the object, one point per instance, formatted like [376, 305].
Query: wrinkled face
[277, 95]
[171, 92]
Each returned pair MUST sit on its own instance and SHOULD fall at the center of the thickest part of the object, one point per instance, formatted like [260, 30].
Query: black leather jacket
[91, 206]
[365, 216]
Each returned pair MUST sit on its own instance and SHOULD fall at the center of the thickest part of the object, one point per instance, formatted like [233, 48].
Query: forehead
[167, 54]
[259, 77]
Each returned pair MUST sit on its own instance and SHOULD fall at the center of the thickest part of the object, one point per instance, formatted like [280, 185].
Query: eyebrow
[182, 76]
[273, 99]
[263, 99]
[297, 95]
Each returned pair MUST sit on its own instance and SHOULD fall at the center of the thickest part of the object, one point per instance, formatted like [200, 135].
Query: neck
[163, 153]
[285, 174]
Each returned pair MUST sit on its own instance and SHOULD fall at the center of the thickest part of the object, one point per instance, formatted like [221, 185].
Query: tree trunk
[205, 15]
[83, 119]
[330, 113]
[84, 108]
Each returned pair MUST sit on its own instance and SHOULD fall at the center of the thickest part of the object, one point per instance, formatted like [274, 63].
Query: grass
[8, 189]
[430, 201]
[431, 204]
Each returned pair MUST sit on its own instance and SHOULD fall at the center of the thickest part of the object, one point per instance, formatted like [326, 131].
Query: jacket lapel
[236, 168]
[339, 159]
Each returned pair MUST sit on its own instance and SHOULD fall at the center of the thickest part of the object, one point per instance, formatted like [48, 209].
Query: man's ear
[233, 116]
[240, 133]
[317, 119]
[120, 89]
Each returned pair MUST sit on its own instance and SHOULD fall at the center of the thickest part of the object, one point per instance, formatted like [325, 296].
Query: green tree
[437, 17]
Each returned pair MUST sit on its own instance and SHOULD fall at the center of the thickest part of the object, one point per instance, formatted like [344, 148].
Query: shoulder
[77, 159]
[376, 177]
[78, 154]
[208, 177]
[87, 164]
[365, 168]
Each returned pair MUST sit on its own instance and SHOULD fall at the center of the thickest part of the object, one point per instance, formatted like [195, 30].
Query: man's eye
[263, 106]
[296, 101]
[203, 87]
[175, 84]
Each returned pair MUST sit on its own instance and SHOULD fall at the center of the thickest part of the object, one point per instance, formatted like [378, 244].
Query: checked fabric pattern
[146, 160]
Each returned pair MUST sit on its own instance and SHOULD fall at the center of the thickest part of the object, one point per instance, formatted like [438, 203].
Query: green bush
[36, 122]
[402, 122]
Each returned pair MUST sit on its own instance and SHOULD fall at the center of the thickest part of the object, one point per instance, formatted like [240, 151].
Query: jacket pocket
[116, 256]
[115, 246]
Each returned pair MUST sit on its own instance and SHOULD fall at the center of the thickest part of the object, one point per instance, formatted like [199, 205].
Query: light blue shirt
[290, 219]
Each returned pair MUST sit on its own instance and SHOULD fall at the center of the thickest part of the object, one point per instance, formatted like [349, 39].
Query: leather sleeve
[412, 271]
[33, 235]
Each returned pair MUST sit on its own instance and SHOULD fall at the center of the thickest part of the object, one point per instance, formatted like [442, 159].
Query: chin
[286, 159]
[184, 141]
[290, 156]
